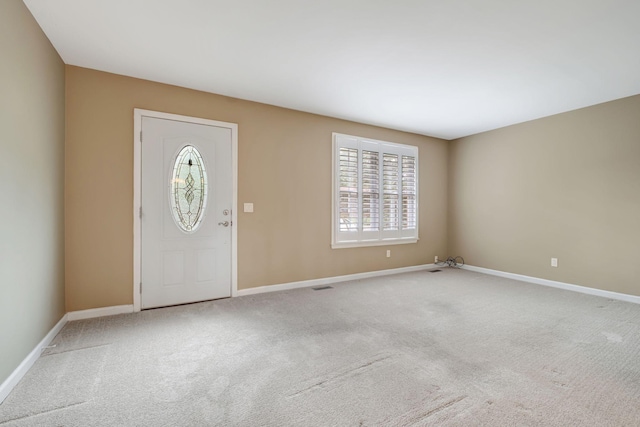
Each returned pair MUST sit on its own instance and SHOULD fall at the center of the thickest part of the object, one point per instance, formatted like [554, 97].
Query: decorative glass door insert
[188, 189]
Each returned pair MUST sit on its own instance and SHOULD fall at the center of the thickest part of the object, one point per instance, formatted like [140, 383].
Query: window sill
[386, 242]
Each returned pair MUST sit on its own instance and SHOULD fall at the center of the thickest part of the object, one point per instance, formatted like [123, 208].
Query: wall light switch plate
[554, 262]
[248, 207]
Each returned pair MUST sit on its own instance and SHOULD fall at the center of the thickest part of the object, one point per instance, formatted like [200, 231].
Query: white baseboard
[27, 363]
[329, 280]
[560, 285]
[99, 312]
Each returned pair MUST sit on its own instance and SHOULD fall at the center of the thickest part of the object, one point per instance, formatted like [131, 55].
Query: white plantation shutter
[391, 197]
[409, 193]
[370, 191]
[349, 190]
[375, 194]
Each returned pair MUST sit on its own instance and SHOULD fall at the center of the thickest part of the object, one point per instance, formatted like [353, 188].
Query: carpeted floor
[450, 348]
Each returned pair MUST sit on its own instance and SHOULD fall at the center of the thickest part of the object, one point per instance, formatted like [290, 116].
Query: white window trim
[406, 236]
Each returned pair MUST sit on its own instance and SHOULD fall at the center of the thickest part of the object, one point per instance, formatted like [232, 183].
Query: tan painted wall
[566, 186]
[284, 169]
[31, 185]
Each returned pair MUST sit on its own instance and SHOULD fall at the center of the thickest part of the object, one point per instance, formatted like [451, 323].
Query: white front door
[186, 200]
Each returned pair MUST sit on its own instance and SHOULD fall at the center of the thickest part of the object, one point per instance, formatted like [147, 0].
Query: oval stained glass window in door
[188, 189]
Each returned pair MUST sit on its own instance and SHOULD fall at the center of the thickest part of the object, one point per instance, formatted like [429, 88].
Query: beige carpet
[450, 348]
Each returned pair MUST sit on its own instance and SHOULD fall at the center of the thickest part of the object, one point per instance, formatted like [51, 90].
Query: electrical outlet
[436, 259]
[388, 253]
[554, 262]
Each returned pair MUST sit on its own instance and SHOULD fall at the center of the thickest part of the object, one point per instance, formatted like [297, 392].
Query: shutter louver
[348, 189]
[409, 193]
[391, 201]
[370, 191]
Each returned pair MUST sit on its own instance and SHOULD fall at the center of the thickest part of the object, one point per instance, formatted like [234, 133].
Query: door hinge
[140, 287]
[140, 136]
[140, 212]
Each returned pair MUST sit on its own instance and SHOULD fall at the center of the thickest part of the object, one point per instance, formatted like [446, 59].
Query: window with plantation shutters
[375, 194]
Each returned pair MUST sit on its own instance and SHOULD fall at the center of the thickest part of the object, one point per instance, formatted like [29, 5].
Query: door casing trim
[138, 114]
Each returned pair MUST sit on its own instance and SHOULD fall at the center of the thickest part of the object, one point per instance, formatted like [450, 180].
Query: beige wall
[31, 185]
[566, 186]
[284, 169]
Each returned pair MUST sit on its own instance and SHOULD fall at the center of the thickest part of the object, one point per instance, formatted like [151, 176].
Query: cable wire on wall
[455, 262]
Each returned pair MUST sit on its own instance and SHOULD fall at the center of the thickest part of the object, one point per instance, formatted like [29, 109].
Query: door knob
[225, 223]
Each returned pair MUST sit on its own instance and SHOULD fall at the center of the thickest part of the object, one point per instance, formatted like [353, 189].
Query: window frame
[381, 237]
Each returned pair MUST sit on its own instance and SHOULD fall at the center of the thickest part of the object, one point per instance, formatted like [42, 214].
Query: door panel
[180, 264]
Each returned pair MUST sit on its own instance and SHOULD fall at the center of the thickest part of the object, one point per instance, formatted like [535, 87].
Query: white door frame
[138, 114]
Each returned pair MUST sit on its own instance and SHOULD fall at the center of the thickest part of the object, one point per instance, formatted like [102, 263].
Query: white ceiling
[445, 68]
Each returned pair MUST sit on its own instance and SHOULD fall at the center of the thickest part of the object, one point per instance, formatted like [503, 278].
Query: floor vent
[322, 288]
[434, 271]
